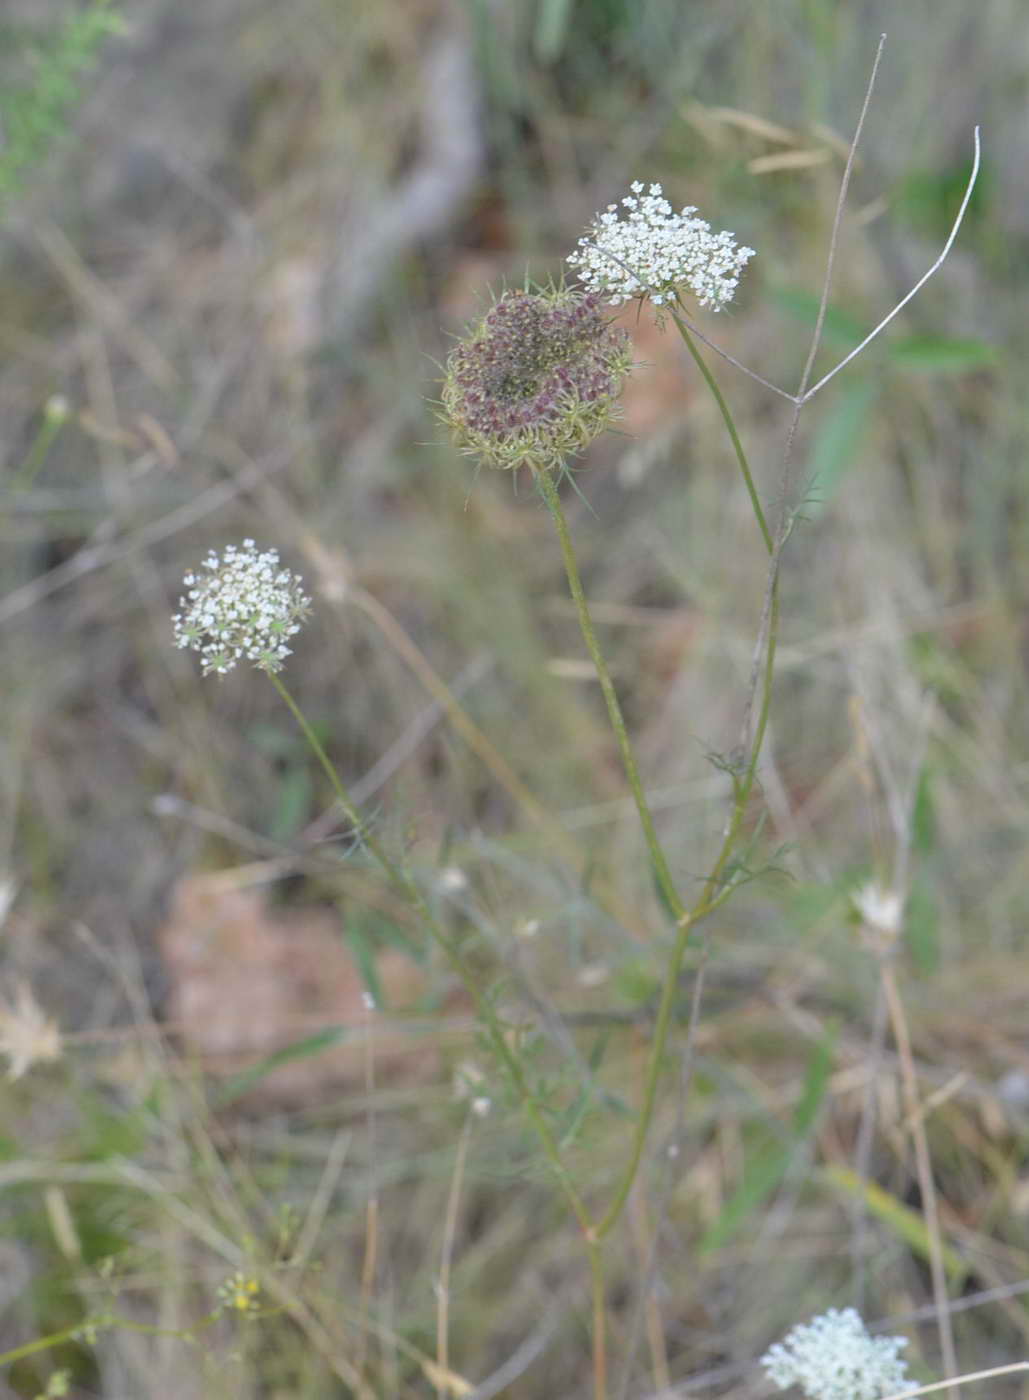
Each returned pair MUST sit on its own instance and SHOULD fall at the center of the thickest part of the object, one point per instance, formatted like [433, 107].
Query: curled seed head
[536, 380]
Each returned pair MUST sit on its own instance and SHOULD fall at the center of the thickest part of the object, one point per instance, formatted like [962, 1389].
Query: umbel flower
[646, 249]
[536, 380]
[241, 607]
[832, 1357]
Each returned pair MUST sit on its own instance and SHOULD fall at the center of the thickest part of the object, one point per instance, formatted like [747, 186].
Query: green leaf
[921, 928]
[923, 818]
[293, 801]
[837, 441]
[765, 1169]
[552, 23]
[636, 981]
[816, 1081]
[108, 1134]
[936, 354]
[243, 1082]
[769, 1160]
[905, 1223]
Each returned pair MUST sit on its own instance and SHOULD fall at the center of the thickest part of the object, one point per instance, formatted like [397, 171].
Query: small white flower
[453, 880]
[652, 251]
[240, 607]
[469, 1082]
[832, 1357]
[881, 910]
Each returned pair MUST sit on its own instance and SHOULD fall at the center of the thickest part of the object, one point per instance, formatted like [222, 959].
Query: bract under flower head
[832, 1357]
[646, 249]
[242, 607]
[536, 380]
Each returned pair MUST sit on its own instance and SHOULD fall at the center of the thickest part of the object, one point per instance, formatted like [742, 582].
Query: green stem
[708, 902]
[487, 1014]
[55, 415]
[657, 856]
[711, 896]
[662, 1025]
[104, 1323]
[596, 1250]
[684, 921]
[727, 419]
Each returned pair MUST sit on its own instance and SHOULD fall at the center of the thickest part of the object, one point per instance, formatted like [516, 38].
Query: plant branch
[918, 285]
[488, 1015]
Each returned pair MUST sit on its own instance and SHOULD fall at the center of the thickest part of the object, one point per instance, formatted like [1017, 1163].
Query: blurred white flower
[242, 607]
[57, 408]
[453, 880]
[652, 251]
[27, 1035]
[833, 1357]
[881, 910]
[469, 1081]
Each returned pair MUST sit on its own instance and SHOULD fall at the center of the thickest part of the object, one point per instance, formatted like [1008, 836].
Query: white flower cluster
[832, 1357]
[243, 607]
[655, 252]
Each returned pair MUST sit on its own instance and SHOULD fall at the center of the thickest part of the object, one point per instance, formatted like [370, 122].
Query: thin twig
[673, 1151]
[371, 1238]
[783, 527]
[968, 1379]
[810, 393]
[923, 1164]
[447, 1253]
[834, 237]
[731, 359]
[320, 1201]
[863, 1150]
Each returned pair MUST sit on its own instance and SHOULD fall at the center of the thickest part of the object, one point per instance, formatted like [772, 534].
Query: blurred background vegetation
[238, 262]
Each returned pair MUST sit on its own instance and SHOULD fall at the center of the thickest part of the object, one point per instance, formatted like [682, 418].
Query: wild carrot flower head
[646, 249]
[241, 606]
[536, 380]
[832, 1357]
